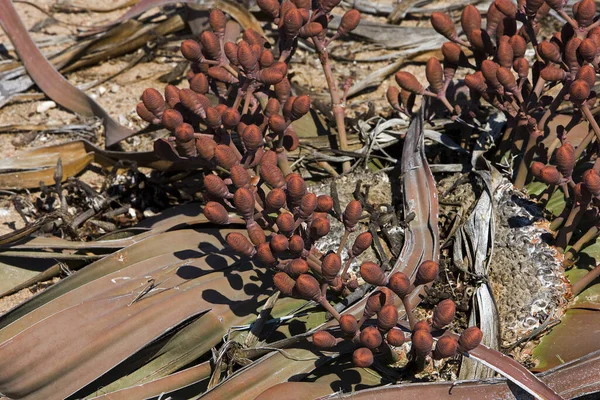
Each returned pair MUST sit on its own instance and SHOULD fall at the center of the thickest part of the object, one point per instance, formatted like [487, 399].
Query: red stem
[338, 107]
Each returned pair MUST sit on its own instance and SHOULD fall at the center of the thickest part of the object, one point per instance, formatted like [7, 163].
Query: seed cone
[217, 21]
[422, 342]
[395, 337]
[362, 358]
[588, 74]
[370, 337]
[400, 284]
[240, 244]
[470, 19]
[230, 118]
[372, 273]
[489, 69]
[216, 213]
[252, 138]
[284, 283]
[324, 203]
[225, 157]
[445, 347]
[387, 317]
[300, 106]
[504, 54]
[285, 223]
[308, 205]
[532, 6]
[231, 52]
[443, 25]
[521, 66]
[587, 50]
[243, 200]
[240, 176]
[349, 22]
[584, 12]
[272, 175]
[213, 118]
[476, 82]
[330, 266]
[256, 234]
[171, 119]
[536, 168]
[277, 123]
[296, 244]
[348, 324]
[146, 115]
[269, 7]
[470, 338]
[246, 57]
[408, 82]
[453, 54]
[153, 101]
[275, 199]
[352, 214]
[579, 91]
[393, 97]
[506, 7]
[518, 45]
[172, 95]
[191, 50]
[506, 79]
[443, 314]
[270, 76]
[481, 42]
[267, 59]
[308, 288]
[565, 159]
[422, 325]
[550, 175]
[427, 272]
[591, 180]
[435, 75]
[215, 186]
[296, 267]
[265, 256]
[296, 188]
[362, 243]
[320, 227]
[328, 5]
[210, 45]
[292, 22]
[311, 29]
[553, 73]
[376, 301]
[279, 243]
[323, 340]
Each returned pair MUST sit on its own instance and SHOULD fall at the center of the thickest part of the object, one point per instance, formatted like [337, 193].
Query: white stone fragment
[45, 106]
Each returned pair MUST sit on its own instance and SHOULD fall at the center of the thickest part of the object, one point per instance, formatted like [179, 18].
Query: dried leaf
[159, 386]
[578, 378]
[53, 84]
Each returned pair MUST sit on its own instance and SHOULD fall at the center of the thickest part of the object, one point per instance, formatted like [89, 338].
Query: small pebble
[101, 90]
[149, 213]
[114, 88]
[45, 106]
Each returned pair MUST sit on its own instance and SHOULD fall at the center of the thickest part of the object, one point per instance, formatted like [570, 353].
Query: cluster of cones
[375, 341]
[518, 86]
